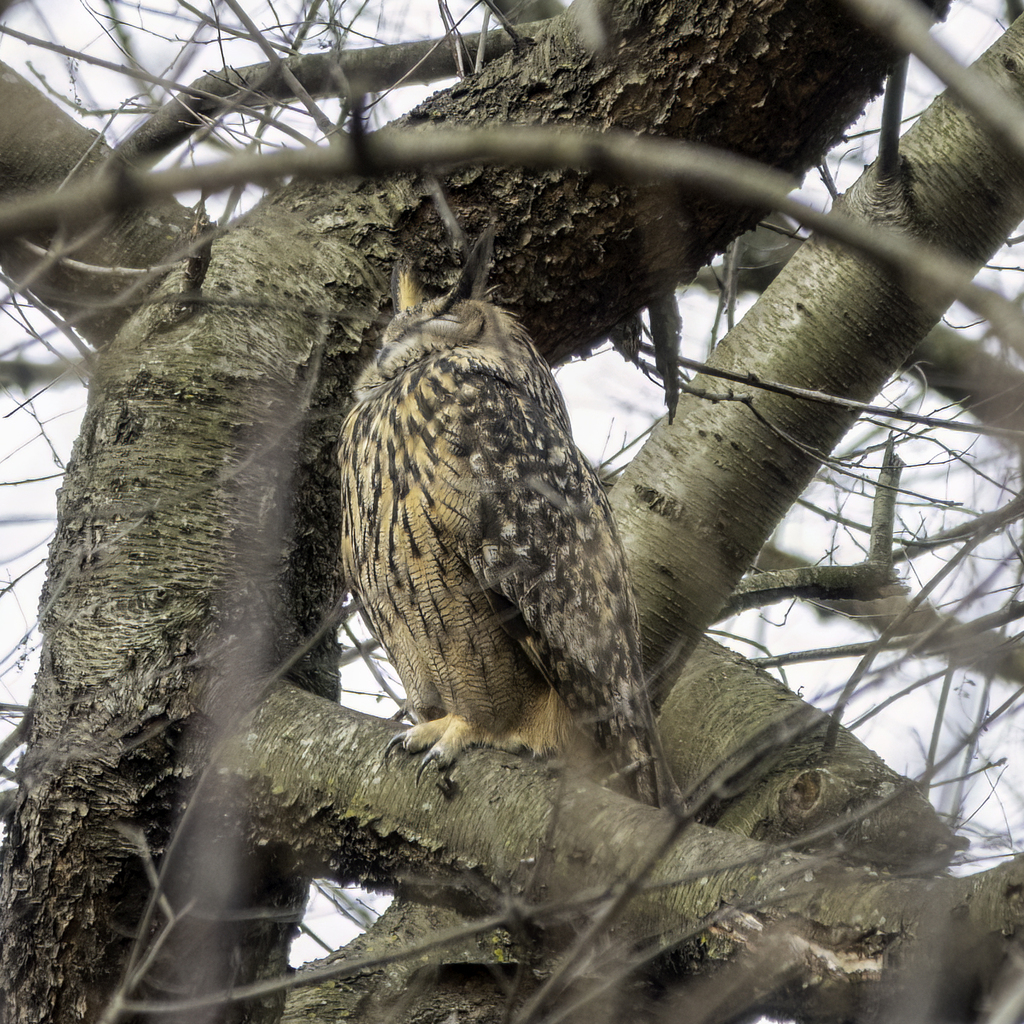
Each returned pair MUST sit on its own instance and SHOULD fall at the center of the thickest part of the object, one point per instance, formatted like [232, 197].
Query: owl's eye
[443, 326]
[447, 325]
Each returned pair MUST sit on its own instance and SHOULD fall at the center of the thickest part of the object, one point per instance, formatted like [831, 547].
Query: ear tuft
[406, 290]
[472, 283]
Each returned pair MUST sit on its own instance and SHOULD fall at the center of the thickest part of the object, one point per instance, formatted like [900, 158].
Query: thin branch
[865, 582]
[883, 512]
[917, 267]
[954, 637]
[823, 398]
[128, 153]
[987, 522]
[892, 116]
[889, 632]
[91, 268]
[372, 69]
[905, 24]
[277, 65]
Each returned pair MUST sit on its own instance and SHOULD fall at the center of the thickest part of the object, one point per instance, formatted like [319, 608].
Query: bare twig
[888, 633]
[905, 24]
[920, 268]
[883, 513]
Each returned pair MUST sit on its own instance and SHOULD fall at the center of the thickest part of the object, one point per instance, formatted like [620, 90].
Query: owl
[481, 545]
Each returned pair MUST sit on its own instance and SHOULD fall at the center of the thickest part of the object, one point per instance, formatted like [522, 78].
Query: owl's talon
[432, 755]
[398, 740]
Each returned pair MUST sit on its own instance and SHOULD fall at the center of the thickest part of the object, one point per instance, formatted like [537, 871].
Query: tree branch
[681, 97]
[511, 834]
[372, 69]
[689, 516]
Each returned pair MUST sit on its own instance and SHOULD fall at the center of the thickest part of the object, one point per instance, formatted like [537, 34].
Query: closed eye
[418, 334]
[444, 325]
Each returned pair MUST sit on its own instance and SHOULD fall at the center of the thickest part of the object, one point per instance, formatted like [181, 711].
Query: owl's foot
[443, 739]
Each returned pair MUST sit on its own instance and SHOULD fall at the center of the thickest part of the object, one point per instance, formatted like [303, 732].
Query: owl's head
[421, 325]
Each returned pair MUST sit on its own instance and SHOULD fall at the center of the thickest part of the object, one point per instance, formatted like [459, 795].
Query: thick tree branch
[682, 90]
[40, 149]
[512, 833]
[694, 522]
[774, 778]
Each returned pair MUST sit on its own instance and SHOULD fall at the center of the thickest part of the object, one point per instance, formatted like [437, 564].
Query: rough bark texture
[168, 593]
[770, 60]
[541, 850]
[759, 759]
[797, 75]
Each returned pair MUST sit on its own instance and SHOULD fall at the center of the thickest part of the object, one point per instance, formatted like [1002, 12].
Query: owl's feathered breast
[473, 464]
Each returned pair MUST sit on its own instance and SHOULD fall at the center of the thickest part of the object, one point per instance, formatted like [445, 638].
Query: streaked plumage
[481, 544]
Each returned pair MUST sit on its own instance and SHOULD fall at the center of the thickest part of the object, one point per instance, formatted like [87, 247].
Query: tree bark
[795, 74]
[705, 493]
[511, 838]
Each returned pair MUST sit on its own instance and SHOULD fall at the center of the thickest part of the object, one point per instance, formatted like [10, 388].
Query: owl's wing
[545, 545]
